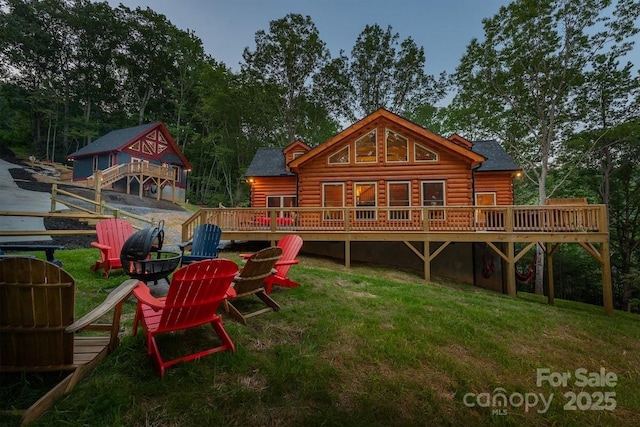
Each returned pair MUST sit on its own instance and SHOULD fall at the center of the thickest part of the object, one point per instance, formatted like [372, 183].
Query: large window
[332, 197]
[397, 147]
[366, 148]
[365, 197]
[433, 195]
[399, 194]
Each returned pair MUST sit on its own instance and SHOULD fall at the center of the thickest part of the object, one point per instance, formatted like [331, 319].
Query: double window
[281, 202]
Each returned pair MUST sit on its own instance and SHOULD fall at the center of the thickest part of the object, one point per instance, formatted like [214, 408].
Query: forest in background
[549, 80]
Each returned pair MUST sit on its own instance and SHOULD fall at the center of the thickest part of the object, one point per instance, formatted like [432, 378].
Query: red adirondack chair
[195, 293]
[112, 233]
[290, 245]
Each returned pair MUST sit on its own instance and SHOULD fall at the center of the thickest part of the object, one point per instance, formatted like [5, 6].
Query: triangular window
[423, 154]
[339, 157]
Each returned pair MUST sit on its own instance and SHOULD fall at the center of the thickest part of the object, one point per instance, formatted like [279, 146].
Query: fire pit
[143, 259]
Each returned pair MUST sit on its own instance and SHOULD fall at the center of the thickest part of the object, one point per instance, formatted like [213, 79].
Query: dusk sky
[443, 27]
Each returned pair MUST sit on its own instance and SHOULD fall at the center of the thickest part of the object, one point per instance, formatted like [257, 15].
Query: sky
[443, 27]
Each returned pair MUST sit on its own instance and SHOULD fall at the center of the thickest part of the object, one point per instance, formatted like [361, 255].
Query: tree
[387, 74]
[147, 60]
[528, 71]
[287, 56]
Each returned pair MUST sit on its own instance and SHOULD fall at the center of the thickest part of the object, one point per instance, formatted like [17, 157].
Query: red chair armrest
[100, 246]
[287, 262]
[143, 294]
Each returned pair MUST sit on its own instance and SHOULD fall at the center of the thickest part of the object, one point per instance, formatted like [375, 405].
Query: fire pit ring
[142, 258]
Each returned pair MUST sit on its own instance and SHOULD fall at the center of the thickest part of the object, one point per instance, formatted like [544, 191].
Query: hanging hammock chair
[528, 275]
[488, 266]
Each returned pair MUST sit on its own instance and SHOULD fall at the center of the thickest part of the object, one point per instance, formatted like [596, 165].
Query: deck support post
[427, 261]
[347, 252]
[511, 270]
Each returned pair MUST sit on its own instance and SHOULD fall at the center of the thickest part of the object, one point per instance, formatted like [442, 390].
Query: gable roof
[497, 159]
[475, 158]
[268, 161]
[297, 144]
[119, 139]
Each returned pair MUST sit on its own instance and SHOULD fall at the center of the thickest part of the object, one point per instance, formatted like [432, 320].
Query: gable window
[339, 157]
[398, 194]
[296, 154]
[366, 148]
[397, 147]
[282, 202]
[423, 154]
[433, 195]
[332, 197]
[365, 197]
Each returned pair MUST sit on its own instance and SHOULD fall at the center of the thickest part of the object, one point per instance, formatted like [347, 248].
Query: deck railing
[462, 219]
[117, 172]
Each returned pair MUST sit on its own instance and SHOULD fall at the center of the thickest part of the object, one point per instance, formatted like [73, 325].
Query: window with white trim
[365, 194]
[423, 154]
[332, 197]
[397, 147]
[487, 217]
[433, 194]
[340, 157]
[282, 202]
[366, 148]
[399, 194]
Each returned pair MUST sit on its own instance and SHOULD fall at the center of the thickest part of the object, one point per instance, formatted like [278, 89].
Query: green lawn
[368, 346]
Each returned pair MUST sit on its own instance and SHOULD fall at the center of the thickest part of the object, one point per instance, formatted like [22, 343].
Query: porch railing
[466, 219]
[117, 172]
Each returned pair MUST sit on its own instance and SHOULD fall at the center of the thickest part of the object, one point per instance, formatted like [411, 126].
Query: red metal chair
[195, 293]
[290, 245]
[112, 233]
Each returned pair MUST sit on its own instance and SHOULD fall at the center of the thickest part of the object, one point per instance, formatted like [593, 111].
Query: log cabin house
[142, 159]
[386, 190]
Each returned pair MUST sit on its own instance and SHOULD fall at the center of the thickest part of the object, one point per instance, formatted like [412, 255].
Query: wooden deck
[500, 227]
[140, 172]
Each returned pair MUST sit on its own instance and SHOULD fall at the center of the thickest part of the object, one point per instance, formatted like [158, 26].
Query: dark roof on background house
[268, 161]
[113, 140]
[497, 157]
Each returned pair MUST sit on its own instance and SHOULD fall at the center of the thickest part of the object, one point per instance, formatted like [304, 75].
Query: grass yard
[367, 346]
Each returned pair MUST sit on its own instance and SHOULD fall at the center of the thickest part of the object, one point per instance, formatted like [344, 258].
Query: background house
[143, 159]
[385, 160]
